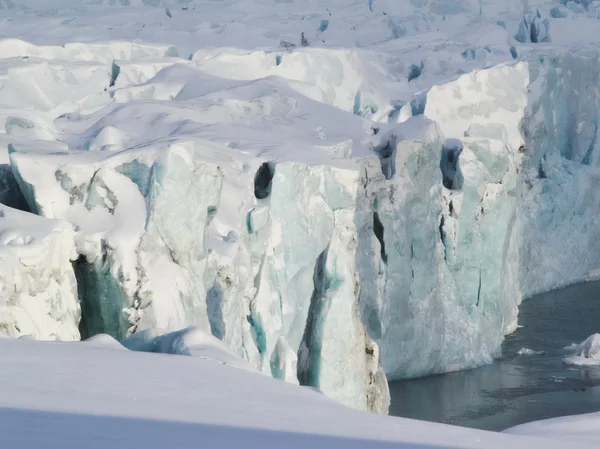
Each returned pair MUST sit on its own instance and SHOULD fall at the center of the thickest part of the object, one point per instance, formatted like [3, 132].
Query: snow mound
[104, 341]
[192, 341]
[109, 397]
[98, 51]
[586, 353]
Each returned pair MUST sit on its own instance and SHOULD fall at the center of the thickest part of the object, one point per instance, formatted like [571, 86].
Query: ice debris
[586, 353]
[529, 352]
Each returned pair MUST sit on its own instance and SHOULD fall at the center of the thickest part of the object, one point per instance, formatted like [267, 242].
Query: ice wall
[433, 250]
[304, 311]
[140, 217]
[335, 255]
[280, 287]
[558, 192]
[484, 111]
[38, 292]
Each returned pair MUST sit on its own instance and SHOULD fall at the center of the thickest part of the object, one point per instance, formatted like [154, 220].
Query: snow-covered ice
[137, 267]
[192, 342]
[38, 292]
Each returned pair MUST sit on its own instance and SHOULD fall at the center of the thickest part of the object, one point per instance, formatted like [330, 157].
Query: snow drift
[191, 341]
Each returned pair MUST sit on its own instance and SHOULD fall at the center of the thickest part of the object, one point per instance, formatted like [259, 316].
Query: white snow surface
[374, 203]
[572, 431]
[72, 395]
[192, 342]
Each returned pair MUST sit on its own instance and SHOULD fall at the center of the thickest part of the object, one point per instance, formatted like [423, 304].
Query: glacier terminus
[334, 194]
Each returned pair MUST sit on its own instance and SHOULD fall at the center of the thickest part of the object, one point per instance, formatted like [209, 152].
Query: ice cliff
[38, 292]
[337, 217]
[137, 268]
[558, 224]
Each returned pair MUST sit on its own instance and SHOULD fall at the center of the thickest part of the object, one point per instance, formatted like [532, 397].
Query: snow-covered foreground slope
[572, 431]
[339, 191]
[96, 395]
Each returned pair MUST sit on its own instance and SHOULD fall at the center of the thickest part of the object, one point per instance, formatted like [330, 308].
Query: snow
[191, 341]
[570, 430]
[340, 192]
[73, 396]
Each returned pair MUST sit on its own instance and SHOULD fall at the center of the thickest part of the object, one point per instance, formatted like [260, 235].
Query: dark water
[517, 389]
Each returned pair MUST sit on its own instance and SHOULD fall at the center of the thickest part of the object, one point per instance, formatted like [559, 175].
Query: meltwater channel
[517, 388]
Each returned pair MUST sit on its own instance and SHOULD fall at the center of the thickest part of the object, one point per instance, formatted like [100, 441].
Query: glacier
[119, 205]
[336, 214]
[38, 288]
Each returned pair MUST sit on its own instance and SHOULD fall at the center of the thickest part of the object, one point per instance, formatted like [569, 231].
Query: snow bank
[112, 396]
[104, 341]
[74, 51]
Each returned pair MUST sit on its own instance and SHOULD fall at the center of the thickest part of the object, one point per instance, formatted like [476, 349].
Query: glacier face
[559, 175]
[440, 268]
[333, 215]
[439, 252]
[137, 267]
[400, 260]
[38, 292]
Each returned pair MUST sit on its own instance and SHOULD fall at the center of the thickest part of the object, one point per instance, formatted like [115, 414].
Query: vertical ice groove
[310, 346]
